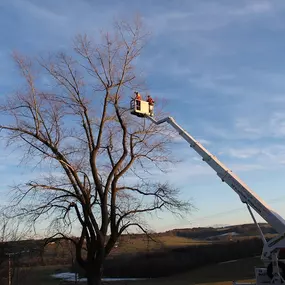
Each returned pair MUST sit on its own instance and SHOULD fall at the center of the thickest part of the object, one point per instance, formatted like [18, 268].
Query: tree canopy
[72, 117]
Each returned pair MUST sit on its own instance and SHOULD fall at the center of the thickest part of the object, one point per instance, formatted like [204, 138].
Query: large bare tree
[10, 233]
[99, 161]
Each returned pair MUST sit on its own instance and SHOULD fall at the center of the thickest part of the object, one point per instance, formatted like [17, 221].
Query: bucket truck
[274, 268]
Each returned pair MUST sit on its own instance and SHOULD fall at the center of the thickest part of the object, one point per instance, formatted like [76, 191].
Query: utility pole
[9, 269]
[10, 264]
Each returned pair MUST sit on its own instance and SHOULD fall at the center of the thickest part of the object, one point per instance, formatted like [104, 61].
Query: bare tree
[10, 232]
[5, 235]
[100, 161]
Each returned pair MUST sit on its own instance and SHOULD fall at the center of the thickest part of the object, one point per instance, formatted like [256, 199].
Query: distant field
[142, 244]
[40, 275]
[222, 274]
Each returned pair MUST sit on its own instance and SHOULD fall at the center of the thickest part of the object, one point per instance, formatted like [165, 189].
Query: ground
[222, 274]
[142, 244]
[40, 275]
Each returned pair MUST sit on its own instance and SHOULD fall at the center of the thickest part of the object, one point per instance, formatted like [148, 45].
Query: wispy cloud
[218, 66]
[241, 153]
[272, 126]
[254, 7]
[36, 10]
[202, 16]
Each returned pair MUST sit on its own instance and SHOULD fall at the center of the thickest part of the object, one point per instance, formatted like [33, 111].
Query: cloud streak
[218, 66]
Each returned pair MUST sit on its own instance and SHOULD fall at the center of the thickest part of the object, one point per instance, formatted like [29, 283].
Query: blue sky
[220, 67]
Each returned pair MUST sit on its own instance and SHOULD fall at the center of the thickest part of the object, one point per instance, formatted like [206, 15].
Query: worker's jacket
[150, 101]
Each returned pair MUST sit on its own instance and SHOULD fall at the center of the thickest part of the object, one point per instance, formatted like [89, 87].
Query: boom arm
[245, 193]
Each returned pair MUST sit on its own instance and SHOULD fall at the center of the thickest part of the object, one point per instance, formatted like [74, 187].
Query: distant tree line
[203, 233]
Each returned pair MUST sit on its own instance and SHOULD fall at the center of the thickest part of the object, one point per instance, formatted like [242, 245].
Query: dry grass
[218, 274]
[142, 244]
[222, 273]
[40, 275]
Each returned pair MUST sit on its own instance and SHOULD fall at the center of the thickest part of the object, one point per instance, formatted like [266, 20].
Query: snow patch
[231, 233]
[230, 261]
[68, 276]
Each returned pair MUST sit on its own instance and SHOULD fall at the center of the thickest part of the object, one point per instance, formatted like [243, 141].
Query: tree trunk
[93, 280]
[94, 275]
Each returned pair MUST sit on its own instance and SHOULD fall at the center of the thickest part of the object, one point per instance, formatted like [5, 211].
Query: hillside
[173, 238]
[138, 256]
[235, 231]
[135, 243]
[60, 252]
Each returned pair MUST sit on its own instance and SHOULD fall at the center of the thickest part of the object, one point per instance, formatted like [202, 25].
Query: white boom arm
[245, 193]
[275, 271]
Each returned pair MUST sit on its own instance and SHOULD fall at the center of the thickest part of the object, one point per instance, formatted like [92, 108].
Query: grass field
[142, 244]
[222, 274]
[40, 275]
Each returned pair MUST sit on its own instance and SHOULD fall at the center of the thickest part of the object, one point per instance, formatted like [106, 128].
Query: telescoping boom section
[274, 272]
[245, 193]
